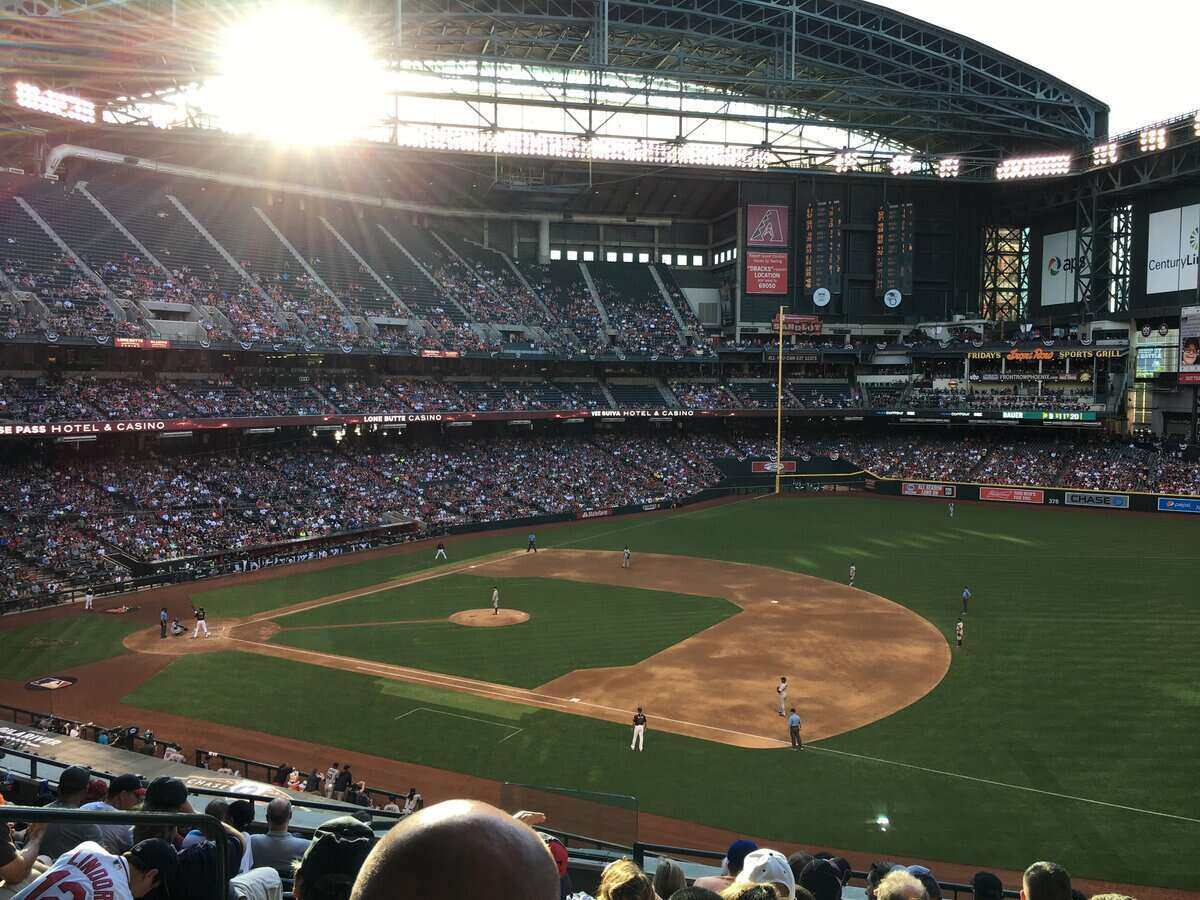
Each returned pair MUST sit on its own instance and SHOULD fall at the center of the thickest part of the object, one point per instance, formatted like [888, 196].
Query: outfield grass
[55, 647]
[572, 626]
[1077, 678]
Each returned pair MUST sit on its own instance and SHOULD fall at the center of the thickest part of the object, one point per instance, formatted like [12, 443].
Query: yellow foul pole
[779, 411]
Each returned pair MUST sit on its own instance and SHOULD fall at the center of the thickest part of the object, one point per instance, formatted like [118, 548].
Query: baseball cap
[822, 879]
[736, 855]
[330, 864]
[124, 783]
[557, 850]
[97, 789]
[923, 875]
[166, 792]
[155, 853]
[767, 866]
[987, 886]
[74, 778]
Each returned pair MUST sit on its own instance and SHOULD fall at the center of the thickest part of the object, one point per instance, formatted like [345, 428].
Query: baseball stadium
[588, 448]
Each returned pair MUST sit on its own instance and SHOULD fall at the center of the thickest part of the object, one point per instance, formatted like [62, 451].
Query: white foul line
[1004, 784]
[512, 728]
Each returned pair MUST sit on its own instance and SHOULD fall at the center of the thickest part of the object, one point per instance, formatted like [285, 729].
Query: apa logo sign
[767, 226]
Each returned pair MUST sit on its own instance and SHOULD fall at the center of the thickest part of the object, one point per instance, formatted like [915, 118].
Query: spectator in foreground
[60, 837]
[623, 880]
[822, 879]
[15, 865]
[694, 893]
[122, 795]
[900, 885]
[987, 886]
[932, 889]
[334, 857]
[769, 867]
[277, 848]
[135, 874]
[881, 869]
[1046, 881]
[797, 861]
[218, 809]
[668, 877]
[458, 850]
[731, 865]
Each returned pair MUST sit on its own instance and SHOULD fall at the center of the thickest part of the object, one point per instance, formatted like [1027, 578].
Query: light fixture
[66, 106]
[1105, 154]
[902, 164]
[1152, 139]
[949, 167]
[1033, 167]
[844, 161]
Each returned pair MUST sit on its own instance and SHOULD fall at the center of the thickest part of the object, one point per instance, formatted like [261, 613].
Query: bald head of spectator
[279, 813]
[900, 885]
[459, 850]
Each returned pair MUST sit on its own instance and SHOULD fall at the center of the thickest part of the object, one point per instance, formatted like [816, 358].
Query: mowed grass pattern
[572, 626]
[1077, 679]
[56, 647]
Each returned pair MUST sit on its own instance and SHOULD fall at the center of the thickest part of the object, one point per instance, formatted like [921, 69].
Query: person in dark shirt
[342, 783]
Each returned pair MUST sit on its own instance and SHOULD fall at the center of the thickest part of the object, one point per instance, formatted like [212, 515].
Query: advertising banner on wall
[1178, 504]
[767, 226]
[1092, 499]
[1012, 495]
[761, 467]
[766, 273]
[925, 489]
[1189, 345]
[1061, 264]
[1172, 250]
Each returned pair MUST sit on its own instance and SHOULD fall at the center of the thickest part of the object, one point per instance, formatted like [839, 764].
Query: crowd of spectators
[446, 851]
[644, 325]
[958, 399]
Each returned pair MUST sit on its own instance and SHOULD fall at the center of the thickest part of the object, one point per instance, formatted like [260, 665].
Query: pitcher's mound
[485, 618]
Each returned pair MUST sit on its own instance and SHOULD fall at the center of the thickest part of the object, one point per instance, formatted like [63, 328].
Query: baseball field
[1067, 727]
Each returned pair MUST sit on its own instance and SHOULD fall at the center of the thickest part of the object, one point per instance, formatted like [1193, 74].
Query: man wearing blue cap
[731, 866]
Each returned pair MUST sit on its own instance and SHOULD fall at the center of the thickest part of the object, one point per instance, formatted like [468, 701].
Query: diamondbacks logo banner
[767, 226]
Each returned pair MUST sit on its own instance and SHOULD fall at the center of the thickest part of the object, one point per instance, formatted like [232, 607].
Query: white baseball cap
[768, 867]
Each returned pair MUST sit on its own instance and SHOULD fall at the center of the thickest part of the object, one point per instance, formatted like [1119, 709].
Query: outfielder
[441, 552]
[853, 570]
[87, 600]
[201, 622]
[625, 559]
[781, 689]
[495, 601]
[639, 730]
[952, 510]
[958, 631]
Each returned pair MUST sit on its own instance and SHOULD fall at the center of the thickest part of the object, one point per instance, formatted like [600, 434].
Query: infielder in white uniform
[201, 623]
[639, 730]
[441, 552]
[853, 570]
[495, 601]
[781, 689]
[87, 600]
[625, 559]
[952, 510]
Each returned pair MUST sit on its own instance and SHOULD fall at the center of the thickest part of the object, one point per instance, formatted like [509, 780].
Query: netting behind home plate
[607, 817]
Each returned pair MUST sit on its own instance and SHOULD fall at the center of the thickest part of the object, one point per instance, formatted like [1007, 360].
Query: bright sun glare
[296, 74]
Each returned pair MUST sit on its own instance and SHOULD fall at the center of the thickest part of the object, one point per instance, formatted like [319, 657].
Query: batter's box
[512, 730]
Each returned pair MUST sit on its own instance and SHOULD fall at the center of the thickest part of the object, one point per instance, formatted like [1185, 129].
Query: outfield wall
[822, 472]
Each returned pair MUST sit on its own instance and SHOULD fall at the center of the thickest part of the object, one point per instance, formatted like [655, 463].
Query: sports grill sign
[767, 226]
[926, 489]
[769, 466]
[1085, 498]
